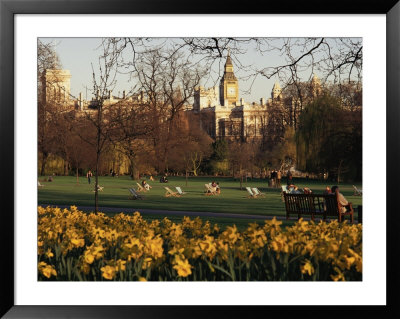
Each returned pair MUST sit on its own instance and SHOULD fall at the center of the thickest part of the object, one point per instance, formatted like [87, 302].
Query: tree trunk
[65, 168]
[96, 185]
[186, 177]
[98, 151]
[77, 175]
[132, 164]
[241, 179]
[44, 161]
[339, 171]
[134, 171]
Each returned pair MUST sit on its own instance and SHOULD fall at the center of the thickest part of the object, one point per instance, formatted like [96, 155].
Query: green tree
[283, 155]
[329, 139]
[218, 161]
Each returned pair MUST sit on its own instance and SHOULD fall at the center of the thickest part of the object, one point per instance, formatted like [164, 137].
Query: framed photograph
[204, 74]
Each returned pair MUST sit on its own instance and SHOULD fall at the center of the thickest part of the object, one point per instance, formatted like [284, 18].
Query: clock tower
[229, 88]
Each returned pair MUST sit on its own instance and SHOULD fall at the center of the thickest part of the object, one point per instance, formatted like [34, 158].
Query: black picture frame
[8, 10]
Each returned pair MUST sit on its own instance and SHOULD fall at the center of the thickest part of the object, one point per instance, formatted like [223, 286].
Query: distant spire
[276, 86]
[228, 58]
[276, 91]
[315, 78]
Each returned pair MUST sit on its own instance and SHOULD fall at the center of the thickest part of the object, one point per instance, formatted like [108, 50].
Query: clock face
[231, 91]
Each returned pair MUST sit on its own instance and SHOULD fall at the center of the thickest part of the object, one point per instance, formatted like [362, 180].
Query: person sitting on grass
[145, 185]
[213, 187]
[164, 179]
[306, 190]
[218, 188]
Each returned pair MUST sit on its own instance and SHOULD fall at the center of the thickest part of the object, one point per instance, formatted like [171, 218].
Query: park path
[146, 211]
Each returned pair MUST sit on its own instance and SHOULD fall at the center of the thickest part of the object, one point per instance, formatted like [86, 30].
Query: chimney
[262, 101]
[110, 95]
[123, 94]
[241, 101]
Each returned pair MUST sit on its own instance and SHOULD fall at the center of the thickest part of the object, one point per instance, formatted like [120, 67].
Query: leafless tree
[104, 80]
[47, 58]
[167, 81]
[132, 130]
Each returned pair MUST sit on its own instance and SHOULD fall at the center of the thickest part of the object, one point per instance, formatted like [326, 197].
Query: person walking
[289, 179]
[279, 177]
[89, 175]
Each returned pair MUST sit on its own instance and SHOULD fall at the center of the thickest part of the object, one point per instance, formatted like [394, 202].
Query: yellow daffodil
[88, 257]
[49, 254]
[121, 264]
[108, 272]
[128, 239]
[78, 242]
[47, 270]
[307, 268]
[182, 266]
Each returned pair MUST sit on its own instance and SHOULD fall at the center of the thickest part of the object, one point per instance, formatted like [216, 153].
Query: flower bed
[73, 245]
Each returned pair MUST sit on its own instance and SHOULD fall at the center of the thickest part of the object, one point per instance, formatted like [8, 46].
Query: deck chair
[210, 190]
[140, 188]
[180, 191]
[251, 194]
[284, 190]
[257, 192]
[357, 192]
[99, 188]
[40, 185]
[169, 193]
[134, 194]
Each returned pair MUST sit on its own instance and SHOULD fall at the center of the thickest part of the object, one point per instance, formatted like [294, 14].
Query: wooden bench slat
[316, 205]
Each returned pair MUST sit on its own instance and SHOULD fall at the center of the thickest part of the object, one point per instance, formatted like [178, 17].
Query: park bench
[316, 205]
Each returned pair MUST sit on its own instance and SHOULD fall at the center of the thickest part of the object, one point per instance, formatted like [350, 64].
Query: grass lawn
[64, 190]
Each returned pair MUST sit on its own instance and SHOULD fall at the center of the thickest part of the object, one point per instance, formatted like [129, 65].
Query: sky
[78, 54]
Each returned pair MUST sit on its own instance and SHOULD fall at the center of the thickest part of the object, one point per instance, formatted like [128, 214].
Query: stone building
[223, 114]
[57, 84]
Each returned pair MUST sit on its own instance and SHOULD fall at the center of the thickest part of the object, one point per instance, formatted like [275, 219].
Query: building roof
[228, 60]
[276, 86]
